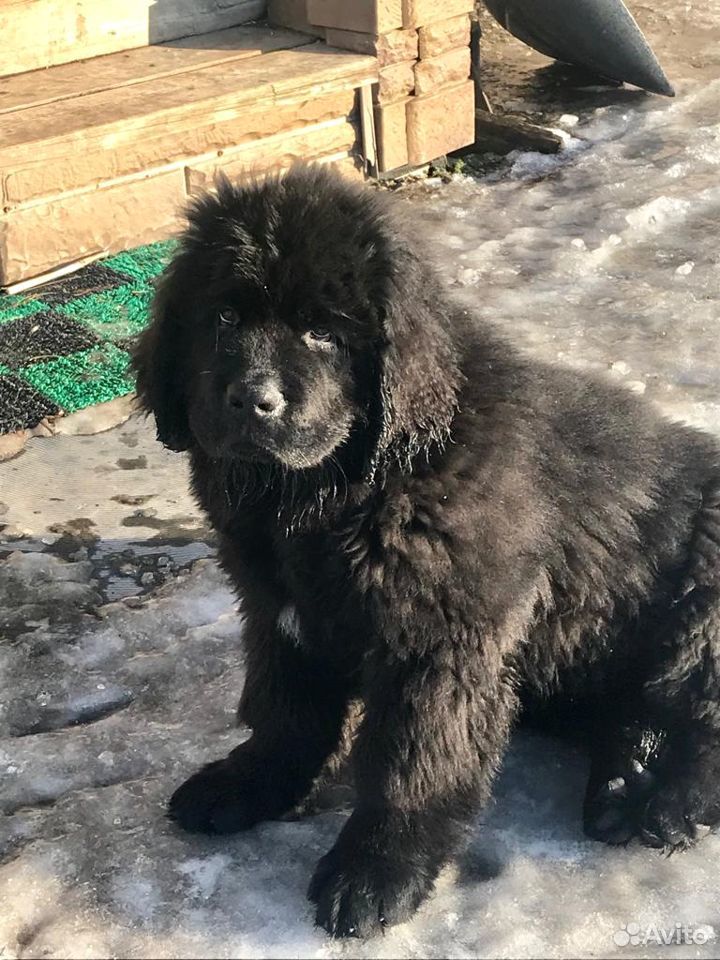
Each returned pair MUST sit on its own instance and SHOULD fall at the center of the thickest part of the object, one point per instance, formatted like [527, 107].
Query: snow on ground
[107, 705]
[120, 662]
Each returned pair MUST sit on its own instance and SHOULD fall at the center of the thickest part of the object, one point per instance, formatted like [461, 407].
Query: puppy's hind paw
[673, 820]
[612, 811]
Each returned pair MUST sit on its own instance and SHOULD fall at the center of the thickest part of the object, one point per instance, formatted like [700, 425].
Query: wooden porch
[112, 114]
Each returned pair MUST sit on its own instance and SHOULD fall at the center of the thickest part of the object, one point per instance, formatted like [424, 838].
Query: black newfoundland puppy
[420, 519]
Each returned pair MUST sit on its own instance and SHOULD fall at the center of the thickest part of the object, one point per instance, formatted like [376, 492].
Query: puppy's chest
[324, 607]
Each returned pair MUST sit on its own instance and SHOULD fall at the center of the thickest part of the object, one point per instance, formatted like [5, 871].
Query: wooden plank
[496, 134]
[114, 216]
[33, 179]
[55, 274]
[42, 237]
[350, 166]
[43, 33]
[115, 70]
[272, 153]
[206, 96]
[367, 129]
[172, 19]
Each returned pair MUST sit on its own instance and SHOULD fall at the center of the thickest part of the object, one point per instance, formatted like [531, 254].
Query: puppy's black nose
[265, 400]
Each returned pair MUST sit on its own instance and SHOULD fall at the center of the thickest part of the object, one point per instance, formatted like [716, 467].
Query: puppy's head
[293, 323]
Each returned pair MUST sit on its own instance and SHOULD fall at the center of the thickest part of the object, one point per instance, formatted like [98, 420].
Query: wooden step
[98, 74]
[43, 33]
[60, 146]
[99, 156]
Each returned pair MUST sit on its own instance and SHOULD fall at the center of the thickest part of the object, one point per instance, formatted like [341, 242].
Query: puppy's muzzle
[263, 401]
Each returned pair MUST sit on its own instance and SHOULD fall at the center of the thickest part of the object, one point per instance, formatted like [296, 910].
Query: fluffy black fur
[420, 518]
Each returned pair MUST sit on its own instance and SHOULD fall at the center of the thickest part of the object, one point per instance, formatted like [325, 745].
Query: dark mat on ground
[64, 345]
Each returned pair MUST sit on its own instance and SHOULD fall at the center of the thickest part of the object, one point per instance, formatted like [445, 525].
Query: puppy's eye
[228, 316]
[320, 335]
[321, 339]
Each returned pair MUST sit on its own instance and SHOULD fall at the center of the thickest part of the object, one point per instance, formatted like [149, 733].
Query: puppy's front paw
[369, 880]
[219, 798]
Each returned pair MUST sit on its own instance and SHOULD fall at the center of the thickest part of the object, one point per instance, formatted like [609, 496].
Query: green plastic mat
[64, 346]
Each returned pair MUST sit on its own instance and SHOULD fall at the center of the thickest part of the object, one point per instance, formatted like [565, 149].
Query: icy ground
[119, 658]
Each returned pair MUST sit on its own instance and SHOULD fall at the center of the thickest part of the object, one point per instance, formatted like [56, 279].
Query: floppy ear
[156, 361]
[418, 373]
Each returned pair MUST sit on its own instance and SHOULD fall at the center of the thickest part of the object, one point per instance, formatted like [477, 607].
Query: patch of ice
[658, 214]
[467, 277]
[203, 873]
[531, 166]
[637, 386]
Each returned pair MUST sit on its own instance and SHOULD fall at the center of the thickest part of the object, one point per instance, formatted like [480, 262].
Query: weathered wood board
[42, 33]
[102, 155]
[85, 77]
